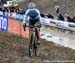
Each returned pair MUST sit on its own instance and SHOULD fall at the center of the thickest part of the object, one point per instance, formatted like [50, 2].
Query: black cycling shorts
[32, 22]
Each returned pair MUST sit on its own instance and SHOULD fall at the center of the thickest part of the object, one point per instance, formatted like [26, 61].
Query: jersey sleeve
[39, 14]
[25, 16]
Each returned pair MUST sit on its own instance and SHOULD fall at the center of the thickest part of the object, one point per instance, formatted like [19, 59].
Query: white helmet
[31, 5]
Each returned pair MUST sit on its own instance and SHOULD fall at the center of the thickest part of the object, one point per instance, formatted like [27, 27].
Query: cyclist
[32, 16]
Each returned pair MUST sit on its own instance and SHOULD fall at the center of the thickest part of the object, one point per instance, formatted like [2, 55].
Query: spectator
[66, 17]
[46, 15]
[0, 8]
[57, 9]
[42, 15]
[50, 16]
[69, 19]
[6, 11]
[74, 18]
[1, 13]
[12, 10]
[17, 9]
[60, 17]
[3, 9]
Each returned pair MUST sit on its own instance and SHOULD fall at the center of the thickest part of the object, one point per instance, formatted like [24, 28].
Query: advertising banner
[4, 23]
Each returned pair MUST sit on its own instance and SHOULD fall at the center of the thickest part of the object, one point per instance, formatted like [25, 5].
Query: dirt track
[14, 49]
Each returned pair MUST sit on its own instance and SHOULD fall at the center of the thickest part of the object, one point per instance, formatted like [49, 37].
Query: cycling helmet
[31, 6]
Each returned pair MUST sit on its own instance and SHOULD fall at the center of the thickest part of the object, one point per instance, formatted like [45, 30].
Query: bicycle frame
[33, 39]
[32, 31]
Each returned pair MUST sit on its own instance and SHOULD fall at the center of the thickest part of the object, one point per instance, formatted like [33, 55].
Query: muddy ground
[14, 49]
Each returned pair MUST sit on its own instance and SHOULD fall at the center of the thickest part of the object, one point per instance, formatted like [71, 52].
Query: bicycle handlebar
[32, 26]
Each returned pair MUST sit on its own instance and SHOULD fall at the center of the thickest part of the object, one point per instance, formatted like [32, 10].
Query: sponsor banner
[44, 21]
[3, 23]
[57, 22]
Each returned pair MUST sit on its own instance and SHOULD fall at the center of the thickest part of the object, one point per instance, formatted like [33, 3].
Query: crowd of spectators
[66, 17]
[9, 10]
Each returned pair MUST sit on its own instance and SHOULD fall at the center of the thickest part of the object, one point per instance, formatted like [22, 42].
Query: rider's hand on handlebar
[24, 26]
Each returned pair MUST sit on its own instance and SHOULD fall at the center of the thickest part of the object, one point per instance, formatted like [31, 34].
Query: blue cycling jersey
[33, 15]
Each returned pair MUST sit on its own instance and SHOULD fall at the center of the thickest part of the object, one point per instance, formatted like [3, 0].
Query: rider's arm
[39, 14]
[25, 19]
[25, 16]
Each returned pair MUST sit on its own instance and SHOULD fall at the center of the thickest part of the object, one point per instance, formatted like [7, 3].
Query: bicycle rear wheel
[36, 47]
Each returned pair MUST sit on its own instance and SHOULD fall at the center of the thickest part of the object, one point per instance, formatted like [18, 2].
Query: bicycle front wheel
[30, 46]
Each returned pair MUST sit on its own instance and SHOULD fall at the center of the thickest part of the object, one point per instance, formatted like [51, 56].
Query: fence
[59, 25]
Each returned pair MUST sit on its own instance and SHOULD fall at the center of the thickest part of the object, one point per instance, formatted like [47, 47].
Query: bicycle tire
[30, 46]
[35, 46]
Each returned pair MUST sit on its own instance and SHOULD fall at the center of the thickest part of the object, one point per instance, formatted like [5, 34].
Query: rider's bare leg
[38, 35]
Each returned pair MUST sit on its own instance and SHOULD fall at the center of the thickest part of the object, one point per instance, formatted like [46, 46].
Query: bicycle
[33, 46]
